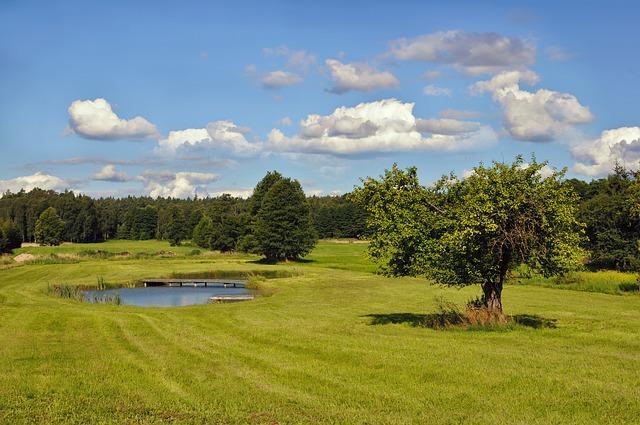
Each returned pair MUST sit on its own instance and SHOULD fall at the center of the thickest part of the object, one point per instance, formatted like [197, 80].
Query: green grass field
[335, 344]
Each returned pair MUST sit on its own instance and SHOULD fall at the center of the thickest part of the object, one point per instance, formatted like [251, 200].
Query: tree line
[608, 207]
[222, 223]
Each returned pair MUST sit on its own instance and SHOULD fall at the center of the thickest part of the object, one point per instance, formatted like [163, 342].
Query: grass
[604, 281]
[333, 344]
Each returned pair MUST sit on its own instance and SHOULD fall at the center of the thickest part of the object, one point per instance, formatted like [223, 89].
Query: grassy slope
[307, 354]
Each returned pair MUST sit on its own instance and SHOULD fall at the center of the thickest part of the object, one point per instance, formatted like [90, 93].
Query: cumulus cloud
[177, 185]
[470, 52]
[538, 116]
[95, 119]
[431, 90]
[225, 136]
[108, 173]
[375, 127]
[446, 126]
[39, 180]
[598, 157]
[358, 77]
[234, 192]
[278, 79]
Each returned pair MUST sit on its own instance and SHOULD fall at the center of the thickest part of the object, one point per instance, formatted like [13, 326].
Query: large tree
[49, 228]
[473, 230]
[203, 233]
[283, 229]
[176, 226]
[10, 236]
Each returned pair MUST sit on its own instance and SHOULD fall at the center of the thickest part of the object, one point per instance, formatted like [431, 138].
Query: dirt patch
[21, 258]
[29, 244]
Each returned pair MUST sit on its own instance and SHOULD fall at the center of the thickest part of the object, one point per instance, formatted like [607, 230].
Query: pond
[165, 296]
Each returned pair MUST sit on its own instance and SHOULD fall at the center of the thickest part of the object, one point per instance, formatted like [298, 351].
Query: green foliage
[283, 228]
[10, 237]
[610, 208]
[337, 217]
[474, 230]
[260, 191]
[203, 233]
[49, 228]
[175, 226]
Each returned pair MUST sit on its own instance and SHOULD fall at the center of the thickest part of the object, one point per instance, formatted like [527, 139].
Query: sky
[182, 98]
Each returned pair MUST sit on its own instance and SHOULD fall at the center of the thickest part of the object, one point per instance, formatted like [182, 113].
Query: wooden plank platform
[195, 282]
[230, 298]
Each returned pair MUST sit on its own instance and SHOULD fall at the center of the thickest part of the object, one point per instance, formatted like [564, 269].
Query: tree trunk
[493, 297]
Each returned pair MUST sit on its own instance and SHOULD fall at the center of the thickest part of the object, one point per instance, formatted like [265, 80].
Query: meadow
[333, 343]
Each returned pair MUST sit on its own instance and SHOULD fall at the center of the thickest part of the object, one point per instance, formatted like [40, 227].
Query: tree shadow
[432, 320]
[534, 321]
[274, 262]
[448, 319]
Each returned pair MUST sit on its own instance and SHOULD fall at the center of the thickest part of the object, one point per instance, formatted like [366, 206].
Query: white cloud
[458, 114]
[359, 77]
[94, 119]
[225, 136]
[446, 126]
[39, 180]
[234, 192]
[278, 79]
[598, 157]
[177, 185]
[382, 126]
[286, 121]
[543, 115]
[108, 173]
[470, 52]
[431, 90]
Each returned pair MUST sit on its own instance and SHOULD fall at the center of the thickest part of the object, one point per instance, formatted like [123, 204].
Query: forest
[608, 207]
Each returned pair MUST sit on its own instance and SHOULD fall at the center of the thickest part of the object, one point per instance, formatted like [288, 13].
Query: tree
[226, 233]
[175, 226]
[283, 228]
[203, 233]
[260, 191]
[475, 230]
[10, 236]
[49, 228]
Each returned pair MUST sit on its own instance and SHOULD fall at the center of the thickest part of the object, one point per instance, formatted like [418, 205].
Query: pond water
[165, 296]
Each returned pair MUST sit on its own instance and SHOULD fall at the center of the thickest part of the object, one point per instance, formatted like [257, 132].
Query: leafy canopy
[283, 227]
[473, 230]
[49, 228]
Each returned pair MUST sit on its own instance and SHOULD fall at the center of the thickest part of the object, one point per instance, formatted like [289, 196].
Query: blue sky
[326, 92]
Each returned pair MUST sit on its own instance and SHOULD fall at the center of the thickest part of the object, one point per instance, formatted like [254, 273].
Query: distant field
[336, 344]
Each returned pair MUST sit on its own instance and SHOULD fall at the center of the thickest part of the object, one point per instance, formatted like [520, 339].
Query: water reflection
[165, 296]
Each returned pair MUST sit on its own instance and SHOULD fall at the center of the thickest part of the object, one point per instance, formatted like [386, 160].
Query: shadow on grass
[534, 321]
[629, 287]
[273, 262]
[453, 319]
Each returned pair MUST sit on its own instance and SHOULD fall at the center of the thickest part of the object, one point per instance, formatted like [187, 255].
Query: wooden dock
[225, 283]
[230, 298]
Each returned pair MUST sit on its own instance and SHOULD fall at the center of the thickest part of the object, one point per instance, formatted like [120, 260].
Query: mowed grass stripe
[308, 353]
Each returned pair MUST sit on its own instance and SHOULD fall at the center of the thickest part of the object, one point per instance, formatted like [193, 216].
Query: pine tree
[49, 228]
[283, 228]
[203, 233]
[175, 226]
